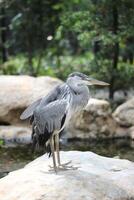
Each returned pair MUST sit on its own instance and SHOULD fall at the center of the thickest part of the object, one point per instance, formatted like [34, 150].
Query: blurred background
[54, 38]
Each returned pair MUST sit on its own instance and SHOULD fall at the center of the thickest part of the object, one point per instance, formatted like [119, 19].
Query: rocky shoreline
[96, 121]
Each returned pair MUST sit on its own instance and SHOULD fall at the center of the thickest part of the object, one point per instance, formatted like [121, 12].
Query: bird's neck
[74, 86]
[81, 93]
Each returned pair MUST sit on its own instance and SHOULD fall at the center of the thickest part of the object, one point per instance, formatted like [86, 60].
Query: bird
[51, 114]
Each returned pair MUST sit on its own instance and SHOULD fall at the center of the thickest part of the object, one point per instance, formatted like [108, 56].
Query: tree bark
[30, 63]
[38, 64]
[30, 57]
[4, 51]
[115, 52]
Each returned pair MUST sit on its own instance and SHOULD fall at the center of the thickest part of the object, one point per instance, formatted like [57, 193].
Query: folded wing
[47, 120]
[28, 112]
[51, 117]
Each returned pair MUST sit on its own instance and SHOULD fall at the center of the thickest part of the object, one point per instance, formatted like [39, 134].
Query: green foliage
[14, 66]
[1, 142]
[105, 28]
[30, 23]
[59, 66]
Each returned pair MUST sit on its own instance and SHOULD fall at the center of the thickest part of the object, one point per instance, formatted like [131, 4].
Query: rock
[17, 92]
[124, 114]
[95, 121]
[131, 132]
[15, 134]
[124, 117]
[96, 178]
[98, 107]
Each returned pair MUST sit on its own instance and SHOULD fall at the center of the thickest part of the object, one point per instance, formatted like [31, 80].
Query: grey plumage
[29, 111]
[52, 113]
[44, 101]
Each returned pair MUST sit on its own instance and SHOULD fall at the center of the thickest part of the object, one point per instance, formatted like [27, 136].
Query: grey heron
[51, 114]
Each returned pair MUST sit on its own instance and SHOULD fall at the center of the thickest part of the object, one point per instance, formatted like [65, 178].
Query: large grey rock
[124, 114]
[124, 117]
[94, 121]
[97, 121]
[17, 92]
[97, 178]
[15, 134]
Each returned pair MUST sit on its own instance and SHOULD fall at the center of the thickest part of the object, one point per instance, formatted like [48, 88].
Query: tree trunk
[30, 57]
[115, 64]
[3, 36]
[30, 63]
[38, 64]
[115, 53]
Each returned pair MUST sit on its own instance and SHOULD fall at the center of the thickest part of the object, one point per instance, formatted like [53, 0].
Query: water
[12, 158]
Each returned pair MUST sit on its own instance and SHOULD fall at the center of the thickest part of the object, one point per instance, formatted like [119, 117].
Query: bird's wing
[51, 117]
[28, 112]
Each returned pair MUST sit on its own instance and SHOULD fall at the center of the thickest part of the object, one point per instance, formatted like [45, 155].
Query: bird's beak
[92, 81]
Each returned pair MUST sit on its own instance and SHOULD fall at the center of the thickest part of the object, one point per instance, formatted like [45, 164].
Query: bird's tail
[40, 141]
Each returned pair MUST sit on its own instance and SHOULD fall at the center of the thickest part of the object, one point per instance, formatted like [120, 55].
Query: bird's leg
[57, 148]
[58, 153]
[53, 154]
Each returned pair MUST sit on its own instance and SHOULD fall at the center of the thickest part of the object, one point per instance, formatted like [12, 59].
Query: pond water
[12, 158]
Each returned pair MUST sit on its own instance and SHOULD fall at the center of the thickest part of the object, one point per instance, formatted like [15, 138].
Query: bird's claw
[65, 164]
[62, 167]
[51, 167]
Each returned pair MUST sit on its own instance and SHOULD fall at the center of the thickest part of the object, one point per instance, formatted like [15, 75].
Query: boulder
[131, 132]
[17, 92]
[124, 114]
[94, 121]
[96, 177]
[15, 134]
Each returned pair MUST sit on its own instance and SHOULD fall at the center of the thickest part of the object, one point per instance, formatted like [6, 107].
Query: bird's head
[82, 79]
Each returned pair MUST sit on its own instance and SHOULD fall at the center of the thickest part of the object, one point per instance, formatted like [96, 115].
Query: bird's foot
[53, 169]
[64, 167]
[65, 164]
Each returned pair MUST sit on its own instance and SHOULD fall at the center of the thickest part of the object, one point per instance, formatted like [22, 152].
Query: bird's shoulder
[55, 95]
[51, 96]
[54, 108]
[58, 93]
